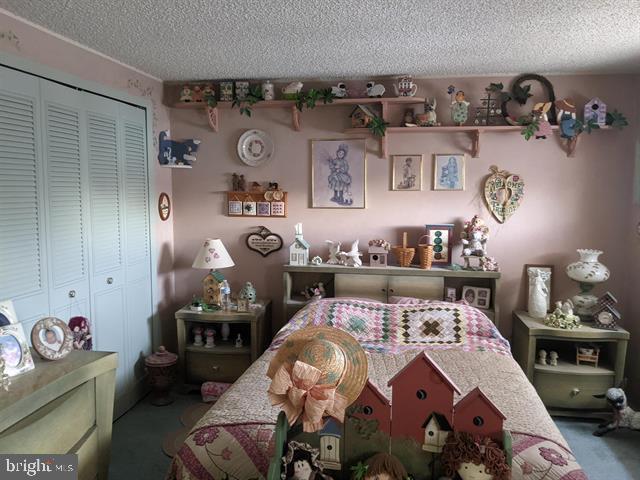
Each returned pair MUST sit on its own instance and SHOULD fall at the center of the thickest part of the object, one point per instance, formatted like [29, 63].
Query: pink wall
[569, 203]
[39, 46]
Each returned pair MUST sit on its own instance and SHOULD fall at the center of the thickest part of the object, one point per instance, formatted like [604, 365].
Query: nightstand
[568, 388]
[225, 362]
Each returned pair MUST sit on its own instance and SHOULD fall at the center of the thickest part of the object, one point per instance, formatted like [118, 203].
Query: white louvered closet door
[106, 204]
[133, 144]
[23, 267]
[66, 198]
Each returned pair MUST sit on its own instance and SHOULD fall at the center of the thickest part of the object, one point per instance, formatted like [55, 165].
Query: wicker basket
[425, 253]
[404, 255]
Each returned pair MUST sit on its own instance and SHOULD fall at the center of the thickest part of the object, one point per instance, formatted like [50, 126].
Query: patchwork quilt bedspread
[234, 439]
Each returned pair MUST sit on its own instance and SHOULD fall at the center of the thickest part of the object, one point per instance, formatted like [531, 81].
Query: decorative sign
[164, 206]
[264, 241]
[503, 192]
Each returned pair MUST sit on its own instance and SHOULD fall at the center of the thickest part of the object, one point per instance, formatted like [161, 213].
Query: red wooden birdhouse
[372, 404]
[418, 390]
[477, 415]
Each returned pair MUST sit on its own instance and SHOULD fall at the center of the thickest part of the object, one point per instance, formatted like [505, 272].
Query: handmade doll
[301, 462]
[468, 458]
[566, 117]
[382, 466]
[459, 108]
[540, 114]
[82, 339]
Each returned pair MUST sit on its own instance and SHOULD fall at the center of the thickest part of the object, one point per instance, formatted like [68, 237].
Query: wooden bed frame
[380, 283]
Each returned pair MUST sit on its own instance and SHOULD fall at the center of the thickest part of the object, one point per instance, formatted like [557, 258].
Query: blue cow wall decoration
[171, 152]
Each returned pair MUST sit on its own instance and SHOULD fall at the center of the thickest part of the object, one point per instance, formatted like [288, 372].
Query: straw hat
[334, 352]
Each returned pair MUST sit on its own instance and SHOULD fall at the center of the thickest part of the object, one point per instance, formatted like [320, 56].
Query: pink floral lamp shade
[212, 255]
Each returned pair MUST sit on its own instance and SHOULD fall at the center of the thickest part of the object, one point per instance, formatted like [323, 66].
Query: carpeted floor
[138, 436]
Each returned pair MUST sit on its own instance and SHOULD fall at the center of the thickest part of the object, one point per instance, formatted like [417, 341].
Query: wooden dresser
[61, 407]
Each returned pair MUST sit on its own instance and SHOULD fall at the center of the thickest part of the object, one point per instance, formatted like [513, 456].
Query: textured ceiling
[198, 39]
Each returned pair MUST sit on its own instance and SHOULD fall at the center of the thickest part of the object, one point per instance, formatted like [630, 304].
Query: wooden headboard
[380, 283]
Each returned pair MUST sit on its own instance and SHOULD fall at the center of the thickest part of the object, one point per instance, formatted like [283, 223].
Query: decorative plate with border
[255, 147]
[52, 338]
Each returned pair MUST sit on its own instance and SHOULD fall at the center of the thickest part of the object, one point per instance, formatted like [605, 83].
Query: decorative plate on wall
[164, 206]
[255, 147]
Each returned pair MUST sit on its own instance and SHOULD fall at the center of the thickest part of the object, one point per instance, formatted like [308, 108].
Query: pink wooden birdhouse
[372, 404]
[418, 390]
[477, 415]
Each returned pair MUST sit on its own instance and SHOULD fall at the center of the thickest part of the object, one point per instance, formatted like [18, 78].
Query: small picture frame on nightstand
[243, 305]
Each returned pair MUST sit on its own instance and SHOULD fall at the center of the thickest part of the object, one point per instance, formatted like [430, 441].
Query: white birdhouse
[377, 256]
[299, 249]
[436, 429]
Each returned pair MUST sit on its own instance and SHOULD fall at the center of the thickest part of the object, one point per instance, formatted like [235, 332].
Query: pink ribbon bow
[296, 392]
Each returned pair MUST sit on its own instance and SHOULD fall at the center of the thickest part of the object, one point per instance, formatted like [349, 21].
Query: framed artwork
[263, 209]
[338, 173]
[478, 297]
[450, 294]
[549, 283]
[441, 237]
[235, 207]
[249, 208]
[7, 313]
[406, 173]
[14, 350]
[52, 338]
[164, 206]
[448, 171]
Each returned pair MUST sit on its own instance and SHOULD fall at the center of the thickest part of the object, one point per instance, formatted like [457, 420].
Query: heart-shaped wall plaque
[264, 241]
[503, 192]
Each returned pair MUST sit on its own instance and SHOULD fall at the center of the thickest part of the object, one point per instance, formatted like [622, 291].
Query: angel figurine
[334, 250]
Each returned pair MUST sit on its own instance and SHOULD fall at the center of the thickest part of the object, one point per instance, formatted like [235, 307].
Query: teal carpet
[137, 444]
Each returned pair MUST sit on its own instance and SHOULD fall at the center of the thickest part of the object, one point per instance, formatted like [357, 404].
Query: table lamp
[212, 256]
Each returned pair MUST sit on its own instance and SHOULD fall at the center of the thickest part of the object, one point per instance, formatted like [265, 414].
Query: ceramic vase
[226, 330]
[587, 271]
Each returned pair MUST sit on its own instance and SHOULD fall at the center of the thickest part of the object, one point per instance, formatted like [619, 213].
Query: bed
[234, 439]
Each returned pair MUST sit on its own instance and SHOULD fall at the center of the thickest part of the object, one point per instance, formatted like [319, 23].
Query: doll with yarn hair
[82, 338]
[469, 458]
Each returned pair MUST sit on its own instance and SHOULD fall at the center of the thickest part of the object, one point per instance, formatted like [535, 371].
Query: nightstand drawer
[572, 391]
[206, 367]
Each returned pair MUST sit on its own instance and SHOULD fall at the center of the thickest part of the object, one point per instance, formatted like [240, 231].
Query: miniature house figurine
[378, 252]
[330, 444]
[361, 116]
[299, 249]
[477, 415]
[605, 315]
[436, 430]
[596, 110]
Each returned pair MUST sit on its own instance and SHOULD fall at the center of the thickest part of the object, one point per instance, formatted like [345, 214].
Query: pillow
[414, 301]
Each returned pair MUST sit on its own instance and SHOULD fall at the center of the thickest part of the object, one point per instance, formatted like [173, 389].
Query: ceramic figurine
[340, 90]
[375, 89]
[540, 114]
[225, 330]
[172, 152]
[334, 250]
[542, 357]
[210, 334]
[235, 182]
[299, 249]
[186, 94]
[239, 341]
[197, 336]
[242, 184]
[352, 257]
[316, 260]
[248, 292]
[431, 118]
[5, 381]
[459, 107]
[596, 111]
[405, 87]
[208, 92]
[566, 117]
[82, 338]
[292, 90]
[563, 317]
[409, 118]
[198, 95]
[226, 91]
[268, 91]
[553, 358]
[242, 89]
[538, 292]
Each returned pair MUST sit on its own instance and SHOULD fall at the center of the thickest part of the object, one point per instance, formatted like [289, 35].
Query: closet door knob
[72, 293]
[215, 368]
[575, 392]
[383, 290]
[391, 290]
[109, 280]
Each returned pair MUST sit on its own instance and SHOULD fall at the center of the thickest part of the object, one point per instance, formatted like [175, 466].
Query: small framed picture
[477, 296]
[249, 208]
[450, 294]
[441, 237]
[406, 173]
[243, 305]
[14, 350]
[263, 209]
[448, 171]
[52, 338]
[7, 313]
[277, 209]
[235, 207]
[548, 283]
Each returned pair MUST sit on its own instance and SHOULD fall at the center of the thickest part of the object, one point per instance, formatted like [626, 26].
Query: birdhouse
[361, 116]
[330, 437]
[606, 316]
[607, 300]
[596, 110]
[377, 256]
[211, 286]
[436, 429]
[421, 388]
[477, 415]
[372, 404]
[299, 249]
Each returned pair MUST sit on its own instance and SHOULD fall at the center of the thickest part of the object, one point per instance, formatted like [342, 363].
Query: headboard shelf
[381, 283]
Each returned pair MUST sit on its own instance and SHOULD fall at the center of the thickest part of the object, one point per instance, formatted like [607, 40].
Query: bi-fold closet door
[74, 216]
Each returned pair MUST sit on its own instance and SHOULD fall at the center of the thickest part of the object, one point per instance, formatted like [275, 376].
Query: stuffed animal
[171, 152]
[623, 415]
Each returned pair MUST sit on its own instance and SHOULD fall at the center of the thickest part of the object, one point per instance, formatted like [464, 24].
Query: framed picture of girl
[448, 171]
[338, 173]
[406, 173]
